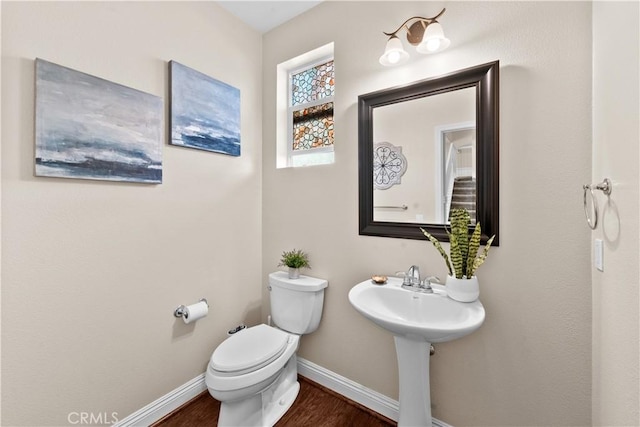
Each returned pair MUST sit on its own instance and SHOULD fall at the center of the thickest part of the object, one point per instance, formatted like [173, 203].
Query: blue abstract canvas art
[90, 128]
[205, 112]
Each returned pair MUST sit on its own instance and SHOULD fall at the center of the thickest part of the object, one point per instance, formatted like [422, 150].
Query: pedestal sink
[416, 320]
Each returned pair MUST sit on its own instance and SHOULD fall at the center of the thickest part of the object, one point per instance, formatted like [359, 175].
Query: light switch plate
[598, 254]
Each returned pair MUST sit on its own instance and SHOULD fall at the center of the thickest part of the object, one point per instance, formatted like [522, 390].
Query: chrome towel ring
[605, 186]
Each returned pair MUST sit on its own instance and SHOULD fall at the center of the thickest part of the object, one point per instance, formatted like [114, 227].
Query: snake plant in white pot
[463, 261]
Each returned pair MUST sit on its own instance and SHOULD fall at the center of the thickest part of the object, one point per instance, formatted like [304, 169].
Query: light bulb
[433, 39]
[394, 53]
[433, 45]
[393, 57]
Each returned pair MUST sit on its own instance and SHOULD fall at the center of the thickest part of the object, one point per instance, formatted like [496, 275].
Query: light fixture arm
[425, 34]
[421, 19]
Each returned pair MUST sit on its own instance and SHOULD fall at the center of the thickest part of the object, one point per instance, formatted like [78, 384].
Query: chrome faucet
[412, 281]
[414, 275]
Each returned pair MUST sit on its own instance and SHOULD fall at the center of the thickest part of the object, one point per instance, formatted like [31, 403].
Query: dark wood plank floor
[315, 406]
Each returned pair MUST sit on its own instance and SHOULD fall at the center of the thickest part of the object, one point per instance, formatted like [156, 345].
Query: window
[305, 126]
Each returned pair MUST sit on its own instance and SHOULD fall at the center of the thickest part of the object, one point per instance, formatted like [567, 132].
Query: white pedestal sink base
[415, 394]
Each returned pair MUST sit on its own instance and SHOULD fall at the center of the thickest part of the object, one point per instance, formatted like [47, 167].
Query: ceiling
[266, 15]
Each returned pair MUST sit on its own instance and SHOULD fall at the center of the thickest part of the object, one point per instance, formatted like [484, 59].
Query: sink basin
[433, 317]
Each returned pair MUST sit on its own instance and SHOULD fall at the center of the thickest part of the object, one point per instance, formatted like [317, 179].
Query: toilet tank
[296, 304]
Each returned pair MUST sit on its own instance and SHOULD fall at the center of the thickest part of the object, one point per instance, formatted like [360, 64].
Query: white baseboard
[352, 390]
[166, 404]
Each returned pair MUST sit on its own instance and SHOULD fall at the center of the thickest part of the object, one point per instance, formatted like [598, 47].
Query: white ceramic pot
[294, 273]
[463, 290]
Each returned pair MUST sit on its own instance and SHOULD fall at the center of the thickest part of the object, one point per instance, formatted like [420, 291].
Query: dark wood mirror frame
[485, 78]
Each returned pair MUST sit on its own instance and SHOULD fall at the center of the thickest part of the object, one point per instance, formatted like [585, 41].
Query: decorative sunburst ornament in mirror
[389, 164]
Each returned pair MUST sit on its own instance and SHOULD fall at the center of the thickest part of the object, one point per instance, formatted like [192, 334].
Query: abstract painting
[90, 128]
[205, 112]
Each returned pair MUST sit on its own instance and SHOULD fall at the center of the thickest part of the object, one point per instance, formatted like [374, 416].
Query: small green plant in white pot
[295, 260]
[464, 260]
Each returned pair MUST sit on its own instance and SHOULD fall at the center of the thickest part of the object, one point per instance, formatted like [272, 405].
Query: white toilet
[254, 373]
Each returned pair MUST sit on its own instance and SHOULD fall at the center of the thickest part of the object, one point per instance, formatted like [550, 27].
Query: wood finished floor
[315, 406]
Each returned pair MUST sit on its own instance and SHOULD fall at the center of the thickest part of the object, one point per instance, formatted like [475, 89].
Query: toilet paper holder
[180, 311]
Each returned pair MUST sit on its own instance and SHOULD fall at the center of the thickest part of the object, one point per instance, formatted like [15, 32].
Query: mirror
[440, 144]
[426, 148]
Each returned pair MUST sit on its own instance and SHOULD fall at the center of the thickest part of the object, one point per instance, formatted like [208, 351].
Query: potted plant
[295, 260]
[463, 261]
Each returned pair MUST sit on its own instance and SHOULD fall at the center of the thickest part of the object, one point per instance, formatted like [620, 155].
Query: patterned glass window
[311, 110]
[313, 127]
[305, 133]
[312, 84]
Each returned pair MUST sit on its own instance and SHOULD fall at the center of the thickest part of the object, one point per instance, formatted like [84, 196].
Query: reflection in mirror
[458, 168]
[438, 134]
[426, 148]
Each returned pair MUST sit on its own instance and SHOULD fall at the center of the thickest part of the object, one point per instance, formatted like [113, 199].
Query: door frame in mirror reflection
[485, 78]
[443, 188]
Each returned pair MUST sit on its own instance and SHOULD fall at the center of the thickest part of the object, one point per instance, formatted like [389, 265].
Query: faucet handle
[425, 286]
[406, 280]
[432, 279]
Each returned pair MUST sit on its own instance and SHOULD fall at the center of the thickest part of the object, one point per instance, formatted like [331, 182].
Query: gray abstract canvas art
[90, 128]
[205, 112]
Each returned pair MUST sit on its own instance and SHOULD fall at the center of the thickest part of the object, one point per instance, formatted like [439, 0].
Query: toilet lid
[249, 349]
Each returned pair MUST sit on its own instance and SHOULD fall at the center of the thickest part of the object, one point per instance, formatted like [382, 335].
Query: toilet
[254, 372]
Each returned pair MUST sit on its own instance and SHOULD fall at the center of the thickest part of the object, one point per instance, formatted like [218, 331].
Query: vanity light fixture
[424, 33]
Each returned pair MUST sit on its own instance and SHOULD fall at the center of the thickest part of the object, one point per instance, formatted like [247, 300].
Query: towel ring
[605, 187]
[592, 223]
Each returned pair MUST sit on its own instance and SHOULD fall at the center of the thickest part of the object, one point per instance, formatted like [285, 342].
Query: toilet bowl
[253, 373]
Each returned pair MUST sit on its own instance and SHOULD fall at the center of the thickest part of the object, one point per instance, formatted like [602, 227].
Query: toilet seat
[270, 366]
[249, 350]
